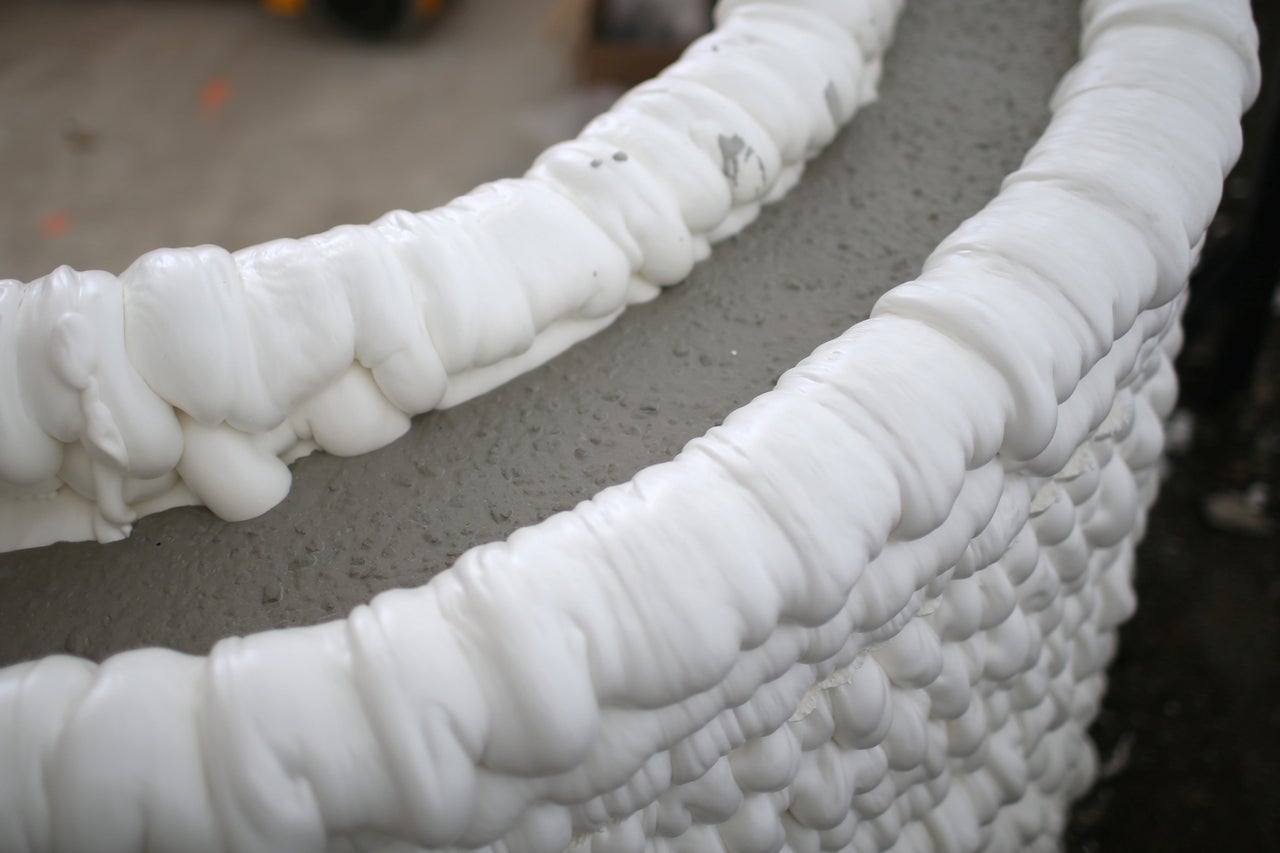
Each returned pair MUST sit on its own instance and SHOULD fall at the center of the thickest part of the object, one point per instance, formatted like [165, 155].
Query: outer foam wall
[199, 374]
[871, 611]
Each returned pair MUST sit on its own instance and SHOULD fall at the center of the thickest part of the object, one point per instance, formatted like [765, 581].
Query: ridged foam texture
[198, 375]
[871, 611]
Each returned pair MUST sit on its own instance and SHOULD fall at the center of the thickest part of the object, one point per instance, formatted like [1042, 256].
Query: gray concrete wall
[964, 95]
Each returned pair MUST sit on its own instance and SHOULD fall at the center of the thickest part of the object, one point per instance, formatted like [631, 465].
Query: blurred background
[126, 125]
[1190, 728]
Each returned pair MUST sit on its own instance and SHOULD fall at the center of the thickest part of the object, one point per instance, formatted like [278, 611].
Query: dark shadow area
[1189, 734]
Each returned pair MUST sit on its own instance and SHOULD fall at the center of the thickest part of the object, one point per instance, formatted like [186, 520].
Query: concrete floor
[107, 126]
[316, 131]
[106, 151]
[128, 125]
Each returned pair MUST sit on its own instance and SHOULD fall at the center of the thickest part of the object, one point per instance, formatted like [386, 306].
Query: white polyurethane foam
[870, 612]
[198, 374]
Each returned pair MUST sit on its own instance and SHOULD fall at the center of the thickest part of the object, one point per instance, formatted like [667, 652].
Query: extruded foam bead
[755, 827]
[839, 837]
[862, 710]
[897, 643]
[767, 763]
[823, 788]
[913, 658]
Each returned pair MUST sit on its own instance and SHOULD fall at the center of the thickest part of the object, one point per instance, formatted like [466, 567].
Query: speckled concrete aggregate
[964, 95]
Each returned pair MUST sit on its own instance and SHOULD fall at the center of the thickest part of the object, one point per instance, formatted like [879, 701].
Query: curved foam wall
[198, 374]
[896, 645]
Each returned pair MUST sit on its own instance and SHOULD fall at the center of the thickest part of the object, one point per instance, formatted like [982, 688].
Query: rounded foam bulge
[216, 369]
[912, 468]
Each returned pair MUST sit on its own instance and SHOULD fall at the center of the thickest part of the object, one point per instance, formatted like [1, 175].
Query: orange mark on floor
[54, 224]
[214, 94]
[289, 8]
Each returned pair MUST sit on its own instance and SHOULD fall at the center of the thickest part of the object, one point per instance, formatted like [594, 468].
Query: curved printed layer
[198, 374]
[871, 611]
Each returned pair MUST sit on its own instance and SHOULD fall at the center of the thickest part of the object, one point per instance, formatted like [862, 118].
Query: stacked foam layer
[869, 612]
[199, 374]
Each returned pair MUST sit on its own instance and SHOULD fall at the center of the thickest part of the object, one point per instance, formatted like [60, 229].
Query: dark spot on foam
[730, 149]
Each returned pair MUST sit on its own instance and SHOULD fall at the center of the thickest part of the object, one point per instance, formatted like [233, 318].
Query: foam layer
[199, 374]
[871, 611]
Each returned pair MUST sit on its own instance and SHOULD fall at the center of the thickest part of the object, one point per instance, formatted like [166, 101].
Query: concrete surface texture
[339, 132]
[129, 125]
[113, 142]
